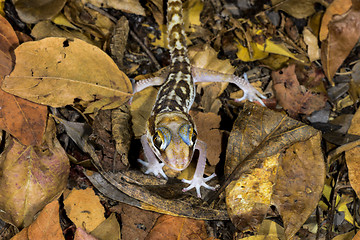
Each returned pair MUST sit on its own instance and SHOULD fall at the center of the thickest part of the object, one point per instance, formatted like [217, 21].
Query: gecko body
[171, 135]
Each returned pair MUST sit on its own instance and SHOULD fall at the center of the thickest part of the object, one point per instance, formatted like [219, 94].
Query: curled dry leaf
[39, 10]
[297, 9]
[57, 71]
[337, 7]
[30, 177]
[344, 33]
[170, 227]
[353, 156]
[311, 41]
[44, 29]
[269, 177]
[129, 6]
[23, 119]
[46, 225]
[84, 209]
[291, 96]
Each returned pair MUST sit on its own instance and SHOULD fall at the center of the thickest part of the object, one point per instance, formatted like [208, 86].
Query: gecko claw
[197, 182]
[155, 169]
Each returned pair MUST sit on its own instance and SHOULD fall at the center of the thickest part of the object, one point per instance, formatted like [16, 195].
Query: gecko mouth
[177, 165]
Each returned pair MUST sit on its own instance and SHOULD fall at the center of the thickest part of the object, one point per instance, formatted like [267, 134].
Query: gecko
[171, 135]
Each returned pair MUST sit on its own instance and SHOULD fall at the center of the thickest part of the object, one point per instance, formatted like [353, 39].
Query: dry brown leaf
[84, 209]
[344, 33]
[299, 183]
[23, 119]
[129, 6]
[131, 218]
[337, 7]
[44, 29]
[93, 24]
[169, 227]
[39, 10]
[207, 125]
[140, 109]
[108, 229]
[268, 177]
[291, 96]
[311, 41]
[297, 9]
[64, 70]
[46, 225]
[30, 177]
[353, 156]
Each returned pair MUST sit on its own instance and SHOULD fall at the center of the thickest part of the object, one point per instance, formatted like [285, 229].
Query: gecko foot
[155, 169]
[197, 182]
[250, 93]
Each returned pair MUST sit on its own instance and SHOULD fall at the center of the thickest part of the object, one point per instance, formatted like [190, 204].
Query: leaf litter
[279, 157]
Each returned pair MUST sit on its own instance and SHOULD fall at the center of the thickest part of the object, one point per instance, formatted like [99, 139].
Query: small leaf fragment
[83, 207]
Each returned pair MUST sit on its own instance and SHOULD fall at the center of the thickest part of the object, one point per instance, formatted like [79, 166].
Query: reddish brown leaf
[23, 119]
[170, 227]
[46, 226]
[344, 33]
[291, 96]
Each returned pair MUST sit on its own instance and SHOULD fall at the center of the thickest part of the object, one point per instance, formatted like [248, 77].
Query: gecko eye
[187, 134]
[162, 138]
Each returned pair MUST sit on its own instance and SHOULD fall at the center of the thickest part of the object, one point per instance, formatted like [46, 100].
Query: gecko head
[173, 138]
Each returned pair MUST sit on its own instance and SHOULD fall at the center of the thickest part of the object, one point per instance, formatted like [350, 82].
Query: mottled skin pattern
[175, 96]
[171, 135]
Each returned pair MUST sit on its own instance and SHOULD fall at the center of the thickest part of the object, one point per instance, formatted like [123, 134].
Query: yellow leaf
[277, 48]
[84, 209]
[256, 54]
[60, 19]
[192, 10]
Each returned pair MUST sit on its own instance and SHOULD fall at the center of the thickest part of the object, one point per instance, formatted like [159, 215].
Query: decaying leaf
[46, 225]
[118, 40]
[121, 132]
[297, 9]
[169, 227]
[84, 209]
[207, 125]
[129, 6]
[132, 217]
[44, 29]
[353, 156]
[30, 177]
[291, 96]
[337, 7]
[64, 70]
[23, 119]
[39, 10]
[344, 33]
[254, 149]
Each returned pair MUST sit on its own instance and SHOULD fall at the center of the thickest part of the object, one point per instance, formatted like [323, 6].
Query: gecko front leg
[198, 180]
[152, 165]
